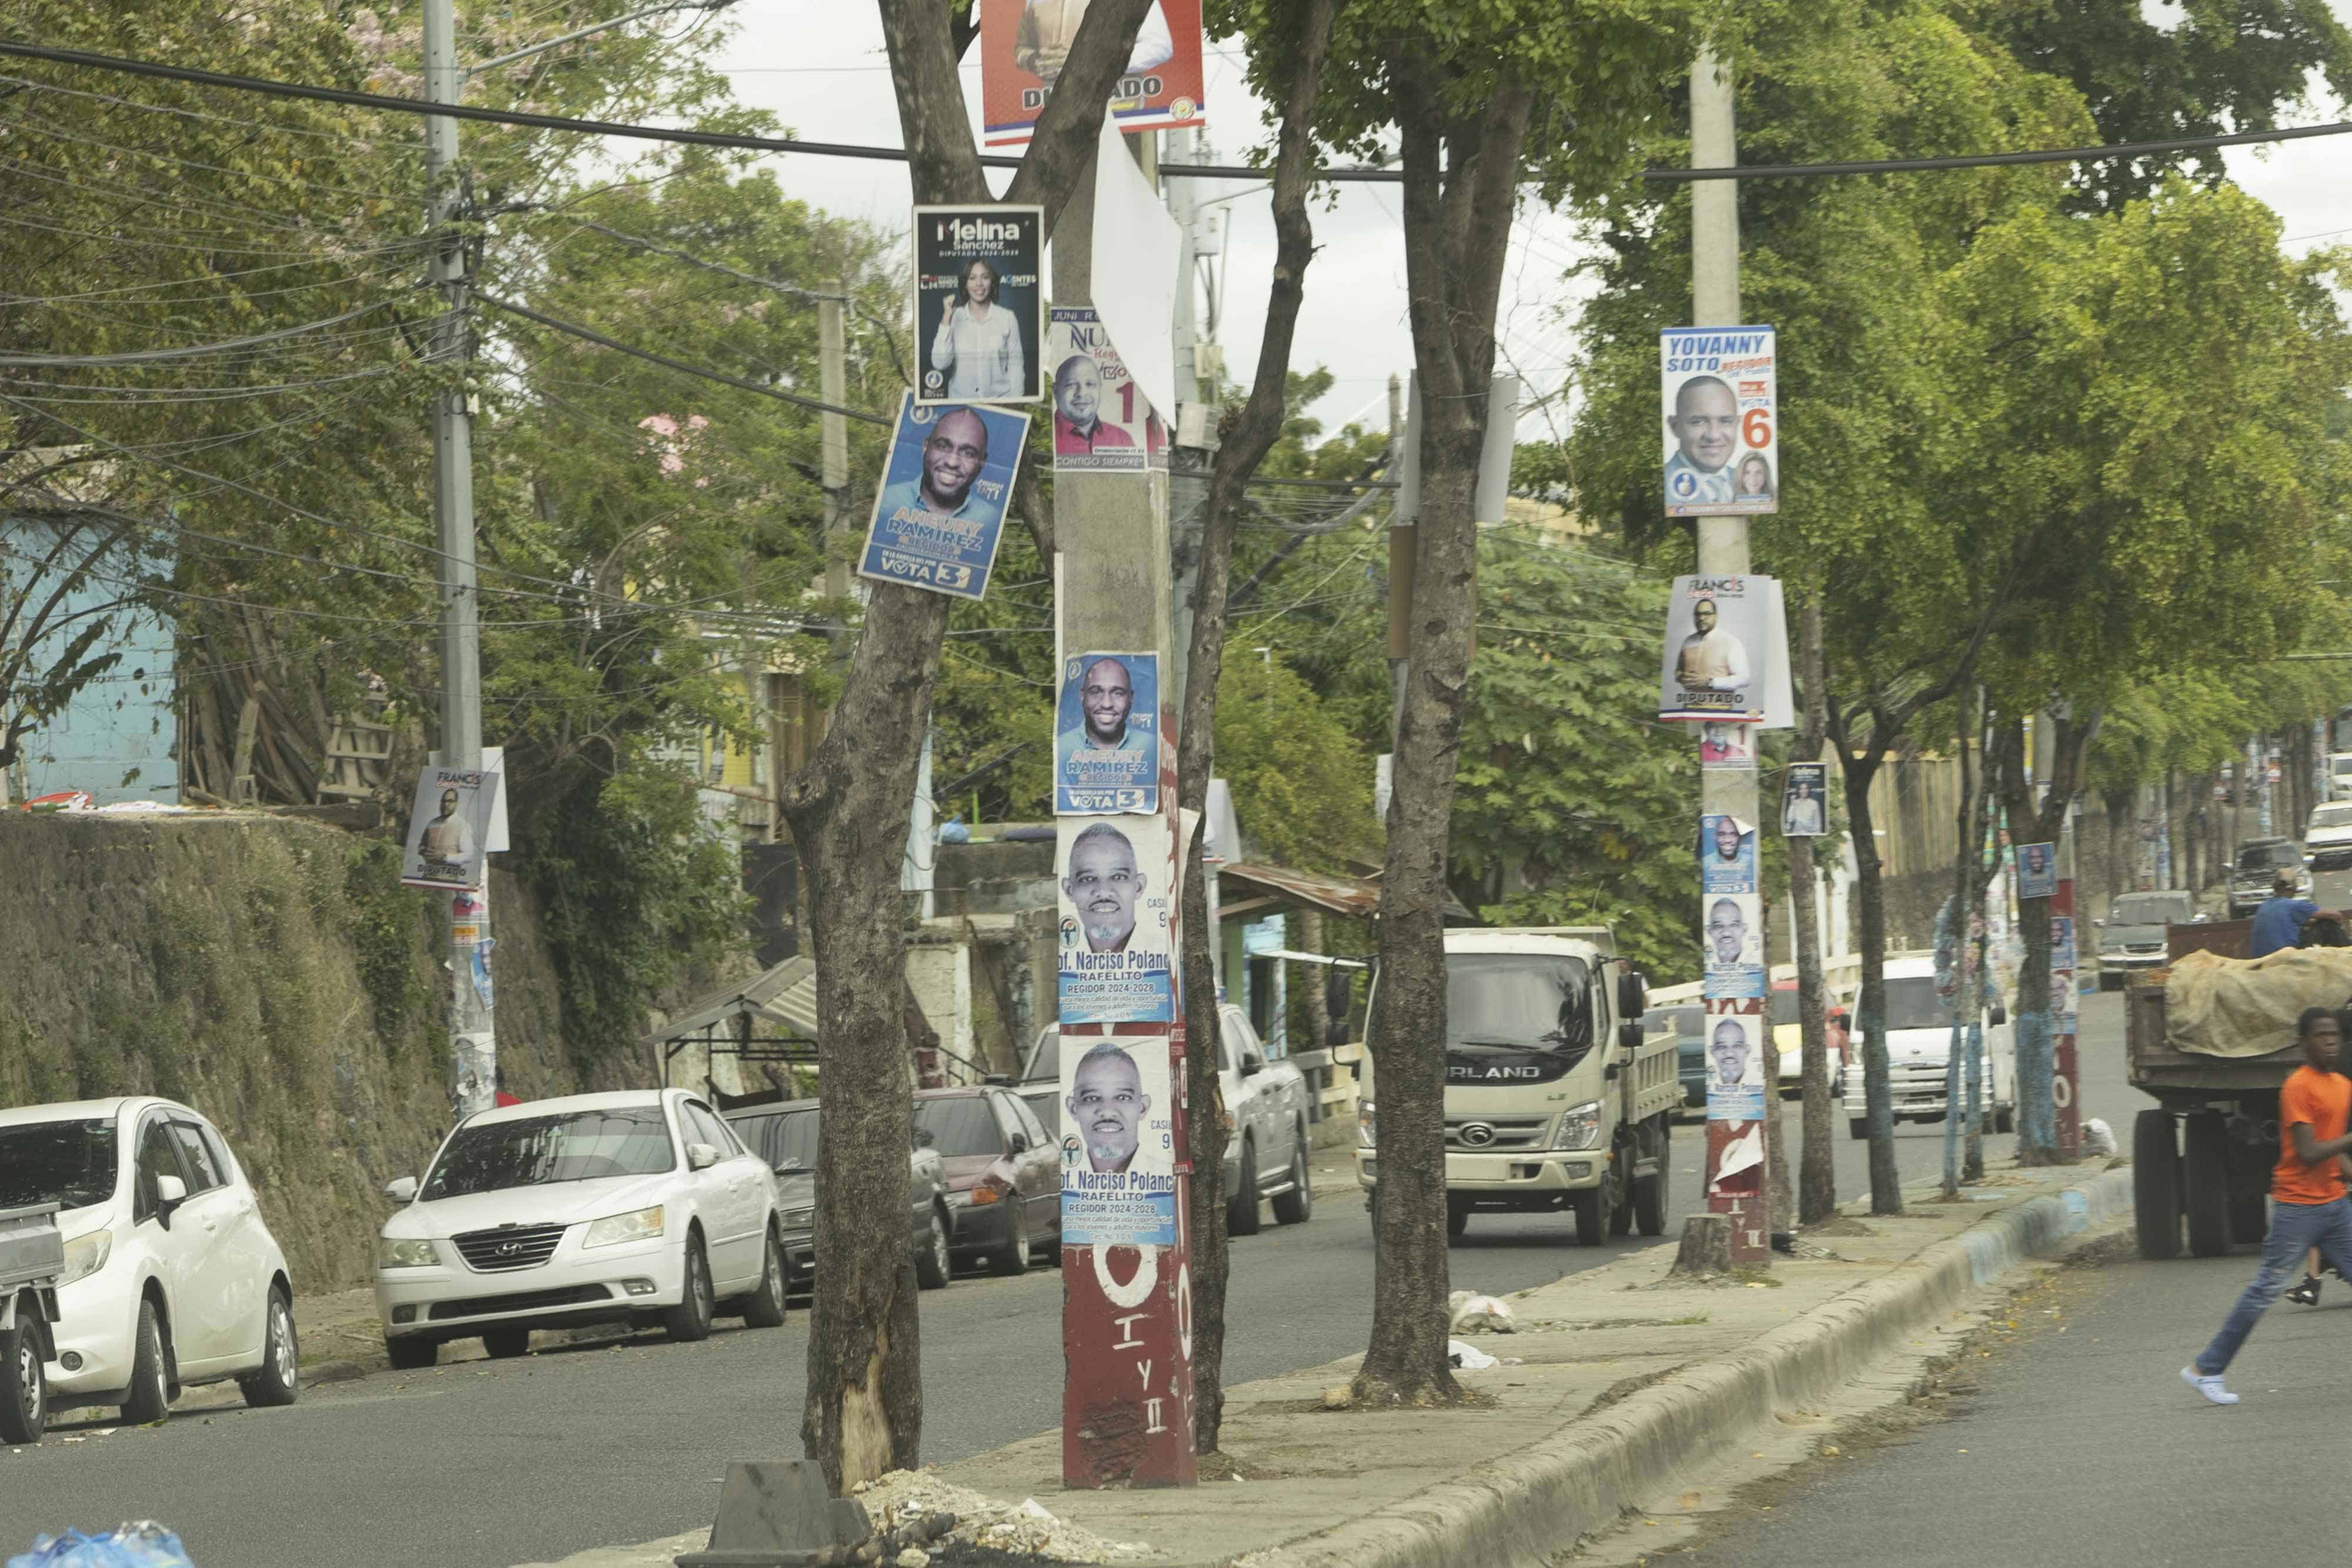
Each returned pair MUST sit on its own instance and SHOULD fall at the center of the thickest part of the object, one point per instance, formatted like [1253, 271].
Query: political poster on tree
[1024, 45]
[1119, 1143]
[1717, 646]
[449, 828]
[1735, 1065]
[945, 489]
[1102, 421]
[1727, 854]
[1117, 879]
[1804, 801]
[1107, 735]
[1721, 455]
[979, 308]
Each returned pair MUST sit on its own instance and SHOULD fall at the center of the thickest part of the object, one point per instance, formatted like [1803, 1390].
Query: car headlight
[404, 1254]
[985, 1192]
[642, 1226]
[1368, 1126]
[1579, 1127]
[796, 1217]
[86, 1255]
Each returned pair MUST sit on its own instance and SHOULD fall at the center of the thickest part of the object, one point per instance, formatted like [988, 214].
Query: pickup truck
[1265, 1157]
[32, 1255]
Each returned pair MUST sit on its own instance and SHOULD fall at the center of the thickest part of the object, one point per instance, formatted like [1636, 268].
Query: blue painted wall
[118, 737]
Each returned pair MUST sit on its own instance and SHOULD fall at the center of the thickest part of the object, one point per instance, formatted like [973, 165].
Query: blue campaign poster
[1107, 735]
[945, 490]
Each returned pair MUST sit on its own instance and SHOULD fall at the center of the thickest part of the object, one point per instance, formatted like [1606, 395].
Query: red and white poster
[1022, 47]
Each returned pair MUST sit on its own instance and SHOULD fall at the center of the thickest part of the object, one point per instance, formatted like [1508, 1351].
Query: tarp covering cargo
[2247, 1007]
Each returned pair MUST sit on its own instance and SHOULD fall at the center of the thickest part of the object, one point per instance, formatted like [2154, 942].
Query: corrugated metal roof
[784, 998]
[1358, 898]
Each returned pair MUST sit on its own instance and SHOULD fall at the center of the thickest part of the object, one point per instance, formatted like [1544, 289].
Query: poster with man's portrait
[1024, 44]
[1731, 938]
[449, 827]
[1726, 743]
[1102, 421]
[1722, 438]
[1116, 879]
[979, 317]
[945, 489]
[1119, 1143]
[1804, 801]
[2037, 870]
[1727, 854]
[1712, 667]
[1734, 1067]
[1107, 735]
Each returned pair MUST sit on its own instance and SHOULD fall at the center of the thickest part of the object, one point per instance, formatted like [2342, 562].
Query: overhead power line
[379, 101]
[196, 350]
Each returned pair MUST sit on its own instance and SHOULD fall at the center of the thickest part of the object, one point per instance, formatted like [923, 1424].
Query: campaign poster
[1107, 735]
[1024, 43]
[2037, 870]
[1727, 854]
[1804, 801]
[1726, 743]
[1118, 1143]
[2061, 943]
[1732, 937]
[945, 490]
[1722, 448]
[980, 308]
[1735, 1066]
[1711, 666]
[449, 826]
[1118, 904]
[1102, 421]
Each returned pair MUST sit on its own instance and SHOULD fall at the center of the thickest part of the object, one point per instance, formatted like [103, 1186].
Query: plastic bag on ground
[144, 1545]
[1471, 1313]
[2098, 1138]
[1467, 1356]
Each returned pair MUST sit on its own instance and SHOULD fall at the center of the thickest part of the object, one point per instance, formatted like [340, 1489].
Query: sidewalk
[1626, 1379]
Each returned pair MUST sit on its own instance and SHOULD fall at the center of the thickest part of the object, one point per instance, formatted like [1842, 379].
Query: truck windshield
[69, 1164]
[1912, 1003]
[2263, 857]
[1527, 1002]
[2147, 909]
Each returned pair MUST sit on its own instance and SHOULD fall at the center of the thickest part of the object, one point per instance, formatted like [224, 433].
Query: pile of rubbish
[906, 1504]
[143, 1545]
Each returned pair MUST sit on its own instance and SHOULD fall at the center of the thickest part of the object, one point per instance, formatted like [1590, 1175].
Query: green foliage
[388, 925]
[1302, 785]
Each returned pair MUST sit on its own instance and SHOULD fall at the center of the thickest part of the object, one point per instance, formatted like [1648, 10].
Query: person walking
[2308, 1209]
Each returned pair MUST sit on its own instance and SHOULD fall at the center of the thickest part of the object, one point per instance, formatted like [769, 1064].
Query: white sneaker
[2210, 1388]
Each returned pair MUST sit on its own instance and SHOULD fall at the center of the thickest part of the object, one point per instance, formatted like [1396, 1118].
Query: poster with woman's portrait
[979, 306]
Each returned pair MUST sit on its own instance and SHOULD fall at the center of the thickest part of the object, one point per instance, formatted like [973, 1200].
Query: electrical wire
[9, 124]
[198, 351]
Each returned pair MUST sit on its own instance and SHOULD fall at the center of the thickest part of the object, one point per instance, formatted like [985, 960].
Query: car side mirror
[1252, 1066]
[169, 1192]
[924, 1138]
[1630, 1035]
[1632, 994]
[404, 1190]
[700, 1156]
[1999, 1015]
[1019, 1143]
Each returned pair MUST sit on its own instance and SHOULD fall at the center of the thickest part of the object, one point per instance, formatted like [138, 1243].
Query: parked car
[1268, 1102]
[2327, 838]
[639, 1208]
[1789, 1039]
[2260, 862]
[2131, 934]
[785, 1136]
[171, 1277]
[1688, 1024]
[1919, 1045]
[2339, 776]
[1003, 1174]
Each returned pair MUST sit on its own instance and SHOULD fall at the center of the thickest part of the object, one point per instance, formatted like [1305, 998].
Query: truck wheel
[2205, 1184]
[2250, 1215]
[24, 1387]
[2156, 1185]
[1650, 1200]
[1457, 1218]
[2004, 1119]
[1857, 1126]
[1240, 1210]
[1589, 1217]
[1621, 1217]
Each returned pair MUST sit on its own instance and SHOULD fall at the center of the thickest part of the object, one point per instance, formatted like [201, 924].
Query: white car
[2327, 838]
[1918, 1046]
[171, 1278]
[639, 1208]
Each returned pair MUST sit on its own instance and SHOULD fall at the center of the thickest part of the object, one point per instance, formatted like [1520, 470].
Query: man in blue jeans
[2308, 1209]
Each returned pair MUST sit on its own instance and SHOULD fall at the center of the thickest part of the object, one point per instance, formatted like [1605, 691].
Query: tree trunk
[1959, 1075]
[1817, 1170]
[1316, 1005]
[1461, 179]
[847, 812]
[1706, 1245]
[1241, 448]
[2032, 1019]
[1870, 1011]
[1780, 1201]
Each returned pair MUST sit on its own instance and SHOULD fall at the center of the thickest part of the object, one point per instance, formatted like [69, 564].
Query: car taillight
[986, 1191]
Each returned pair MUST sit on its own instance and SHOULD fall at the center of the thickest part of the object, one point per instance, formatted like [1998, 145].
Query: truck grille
[509, 1247]
[1494, 1135]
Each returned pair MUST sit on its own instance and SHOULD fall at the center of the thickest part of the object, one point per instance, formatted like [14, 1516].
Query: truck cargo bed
[31, 1250]
[2155, 1065]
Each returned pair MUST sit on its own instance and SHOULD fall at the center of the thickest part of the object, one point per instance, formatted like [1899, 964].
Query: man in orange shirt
[2307, 1204]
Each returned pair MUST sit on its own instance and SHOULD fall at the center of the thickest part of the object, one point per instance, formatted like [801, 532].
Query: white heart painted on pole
[1137, 254]
[1135, 1291]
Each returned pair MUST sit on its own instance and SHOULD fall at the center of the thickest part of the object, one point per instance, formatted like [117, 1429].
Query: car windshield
[1912, 1003]
[2332, 815]
[69, 1164]
[959, 1125]
[537, 1151]
[787, 1138]
[2262, 857]
[1045, 1063]
[2147, 909]
[2341, 765]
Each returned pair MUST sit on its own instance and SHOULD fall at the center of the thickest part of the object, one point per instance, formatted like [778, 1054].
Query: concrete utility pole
[473, 1046]
[1723, 550]
[832, 385]
[1127, 1393]
[1192, 430]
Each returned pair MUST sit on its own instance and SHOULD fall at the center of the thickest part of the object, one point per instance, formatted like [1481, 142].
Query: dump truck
[1555, 1098]
[2202, 1156]
[32, 1255]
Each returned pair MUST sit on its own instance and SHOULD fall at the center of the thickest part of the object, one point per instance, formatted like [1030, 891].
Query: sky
[821, 68]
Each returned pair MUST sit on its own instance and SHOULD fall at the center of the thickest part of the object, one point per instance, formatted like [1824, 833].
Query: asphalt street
[484, 1465]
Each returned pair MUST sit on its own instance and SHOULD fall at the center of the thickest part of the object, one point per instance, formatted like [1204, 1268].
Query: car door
[730, 1197]
[228, 1276]
[176, 1241]
[1260, 1108]
[1040, 1173]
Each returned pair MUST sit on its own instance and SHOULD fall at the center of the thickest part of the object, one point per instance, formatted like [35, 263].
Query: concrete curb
[1579, 1481]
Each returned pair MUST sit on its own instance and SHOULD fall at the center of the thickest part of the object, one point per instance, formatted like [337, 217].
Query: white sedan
[171, 1277]
[638, 1207]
